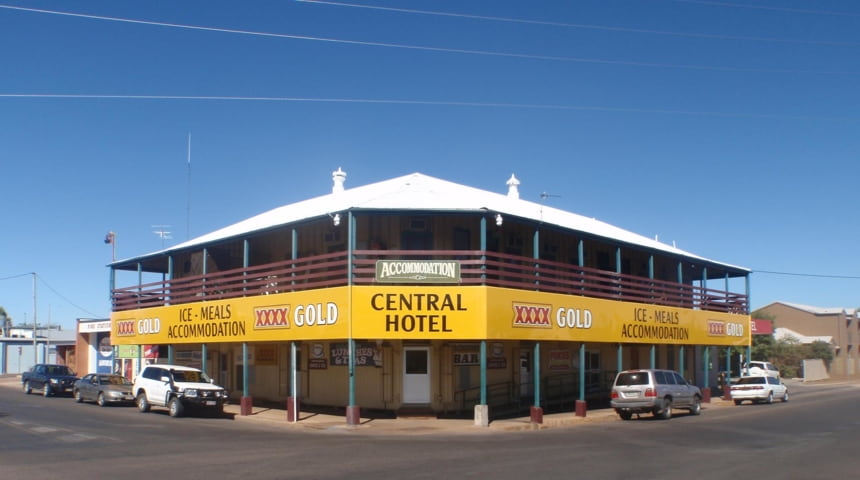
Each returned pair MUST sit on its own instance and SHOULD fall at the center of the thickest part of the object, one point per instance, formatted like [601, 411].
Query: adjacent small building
[840, 326]
[22, 347]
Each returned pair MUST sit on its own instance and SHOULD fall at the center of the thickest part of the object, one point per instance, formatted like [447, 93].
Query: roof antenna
[543, 197]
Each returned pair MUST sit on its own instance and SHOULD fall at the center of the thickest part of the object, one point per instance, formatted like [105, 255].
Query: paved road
[814, 436]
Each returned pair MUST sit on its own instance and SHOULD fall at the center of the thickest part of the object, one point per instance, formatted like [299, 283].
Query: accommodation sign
[417, 271]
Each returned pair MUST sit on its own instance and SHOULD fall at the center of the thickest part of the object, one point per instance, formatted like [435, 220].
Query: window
[637, 378]
[416, 362]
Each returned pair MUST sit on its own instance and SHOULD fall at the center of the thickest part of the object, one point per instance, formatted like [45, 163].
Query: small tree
[5, 322]
[819, 349]
[763, 347]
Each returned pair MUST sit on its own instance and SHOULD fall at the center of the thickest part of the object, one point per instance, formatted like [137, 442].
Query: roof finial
[338, 177]
[513, 183]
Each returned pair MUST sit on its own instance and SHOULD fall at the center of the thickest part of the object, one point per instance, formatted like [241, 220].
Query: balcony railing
[476, 268]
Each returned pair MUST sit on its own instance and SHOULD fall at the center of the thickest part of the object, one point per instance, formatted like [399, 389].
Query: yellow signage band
[426, 312]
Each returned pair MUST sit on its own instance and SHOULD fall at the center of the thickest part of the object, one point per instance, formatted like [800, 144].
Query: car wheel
[769, 398]
[77, 395]
[46, 390]
[27, 388]
[142, 402]
[696, 409]
[785, 396]
[174, 407]
[625, 415]
[101, 400]
[738, 402]
[666, 412]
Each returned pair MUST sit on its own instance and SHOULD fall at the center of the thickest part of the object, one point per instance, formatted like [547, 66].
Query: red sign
[759, 326]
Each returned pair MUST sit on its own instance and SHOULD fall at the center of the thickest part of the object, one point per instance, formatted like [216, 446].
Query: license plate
[210, 402]
[631, 394]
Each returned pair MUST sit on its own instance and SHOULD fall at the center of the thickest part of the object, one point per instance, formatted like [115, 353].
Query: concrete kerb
[406, 426]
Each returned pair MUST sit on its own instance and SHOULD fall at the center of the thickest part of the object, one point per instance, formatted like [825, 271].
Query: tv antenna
[162, 232]
[543, 197]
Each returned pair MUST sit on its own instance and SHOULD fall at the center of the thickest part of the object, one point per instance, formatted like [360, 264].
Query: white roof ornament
[338, 177]
[513, 183]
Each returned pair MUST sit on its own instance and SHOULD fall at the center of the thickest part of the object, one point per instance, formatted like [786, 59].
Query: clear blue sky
[729, 128]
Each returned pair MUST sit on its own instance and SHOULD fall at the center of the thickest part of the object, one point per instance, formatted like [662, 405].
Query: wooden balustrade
[476, 268]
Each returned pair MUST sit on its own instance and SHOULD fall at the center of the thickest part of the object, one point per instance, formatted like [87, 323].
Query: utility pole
[35, 344]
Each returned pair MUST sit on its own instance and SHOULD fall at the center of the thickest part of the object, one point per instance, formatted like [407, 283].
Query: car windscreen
[751, 380]
[58, 370]
[113, 380]
[190, 376]
[632, 378]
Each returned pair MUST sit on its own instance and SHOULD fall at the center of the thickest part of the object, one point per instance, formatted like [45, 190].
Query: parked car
[758, 389]
[103, 388]
[653, 391]
[760, 368]
[51, 379]
[178, 388]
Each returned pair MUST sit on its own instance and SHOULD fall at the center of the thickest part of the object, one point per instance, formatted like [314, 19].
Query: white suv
[178, 388]
[653, 391]
[756, 368]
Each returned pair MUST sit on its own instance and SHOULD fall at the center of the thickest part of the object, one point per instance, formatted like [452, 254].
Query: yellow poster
[308, 315]
[429, 312]
[518, 314]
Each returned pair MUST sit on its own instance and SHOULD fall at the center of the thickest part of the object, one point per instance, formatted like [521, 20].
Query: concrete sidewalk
[408, 425]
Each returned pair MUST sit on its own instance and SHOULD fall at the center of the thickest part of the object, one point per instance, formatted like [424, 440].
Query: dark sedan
[103, 389]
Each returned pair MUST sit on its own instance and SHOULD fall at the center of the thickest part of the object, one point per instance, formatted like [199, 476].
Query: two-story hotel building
[419, 293]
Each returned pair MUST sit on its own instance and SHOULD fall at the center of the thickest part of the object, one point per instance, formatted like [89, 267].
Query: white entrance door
[526, 383]
[416, 375]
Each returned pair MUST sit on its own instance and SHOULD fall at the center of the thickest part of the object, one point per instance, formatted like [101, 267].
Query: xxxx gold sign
[532, 315]
[287, 316]
[523, 315]
[272, 317]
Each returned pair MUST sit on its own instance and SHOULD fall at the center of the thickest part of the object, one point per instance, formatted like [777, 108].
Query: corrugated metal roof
[781, 333]
[420, 192]
[819, 310]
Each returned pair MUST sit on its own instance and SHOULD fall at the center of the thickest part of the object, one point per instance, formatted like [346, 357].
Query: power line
[61, 296]
[64, 298]
[436, 49]
[533, 106]
[584, 26]
[16, 276]
[766, 7]
[814, 275]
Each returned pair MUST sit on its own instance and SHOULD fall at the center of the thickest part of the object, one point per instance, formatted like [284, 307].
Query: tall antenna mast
[188, 188]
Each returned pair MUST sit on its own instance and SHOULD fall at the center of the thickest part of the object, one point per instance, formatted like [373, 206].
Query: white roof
[819, 310]
[780, 333]
[420, 192]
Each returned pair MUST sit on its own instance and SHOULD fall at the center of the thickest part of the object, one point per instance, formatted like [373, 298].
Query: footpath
[424, 425]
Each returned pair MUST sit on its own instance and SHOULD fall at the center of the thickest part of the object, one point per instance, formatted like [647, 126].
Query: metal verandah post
[293, 403]
[482, 410]
[536, 413]
[353, 411]
[581, 405]
[246, 402]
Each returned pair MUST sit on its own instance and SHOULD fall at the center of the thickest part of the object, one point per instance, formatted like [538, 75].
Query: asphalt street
[814, 435]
